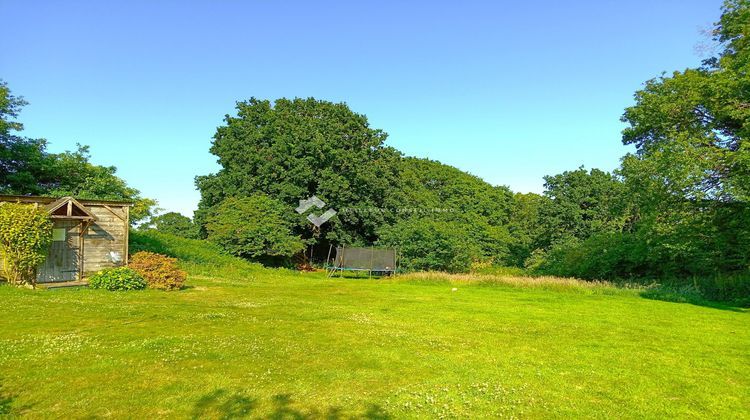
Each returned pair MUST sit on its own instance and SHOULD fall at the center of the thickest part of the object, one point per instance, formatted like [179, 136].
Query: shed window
[58, 234]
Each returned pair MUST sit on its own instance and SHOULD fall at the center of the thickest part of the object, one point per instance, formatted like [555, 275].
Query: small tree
[426, 244]
[254, 227]
[174, 224]
[25, 236]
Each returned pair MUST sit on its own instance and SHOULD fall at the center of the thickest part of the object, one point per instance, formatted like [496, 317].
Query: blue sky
[509, 91]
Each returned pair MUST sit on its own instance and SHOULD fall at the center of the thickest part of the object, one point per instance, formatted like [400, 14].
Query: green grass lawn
[274, 343]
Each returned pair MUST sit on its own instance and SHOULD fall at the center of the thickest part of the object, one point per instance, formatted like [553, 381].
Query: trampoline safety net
[365, 259]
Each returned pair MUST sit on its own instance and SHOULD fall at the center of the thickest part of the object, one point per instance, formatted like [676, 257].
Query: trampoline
[381, 261]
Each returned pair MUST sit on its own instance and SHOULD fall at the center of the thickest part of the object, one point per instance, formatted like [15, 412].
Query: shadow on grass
[362, 275]
[8, 406]
[223, 404]
[689, 296]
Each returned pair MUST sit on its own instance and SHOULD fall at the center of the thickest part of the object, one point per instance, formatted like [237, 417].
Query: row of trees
[274, 155]
[27, 168]
[677, 207]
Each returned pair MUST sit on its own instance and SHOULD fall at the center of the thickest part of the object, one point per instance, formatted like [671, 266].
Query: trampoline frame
[331, 267]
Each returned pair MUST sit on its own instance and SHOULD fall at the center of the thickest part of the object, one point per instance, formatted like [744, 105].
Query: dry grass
[542, 282]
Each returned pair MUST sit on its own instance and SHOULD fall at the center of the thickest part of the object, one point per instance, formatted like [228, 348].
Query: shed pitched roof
[69, 208]
[49, 200]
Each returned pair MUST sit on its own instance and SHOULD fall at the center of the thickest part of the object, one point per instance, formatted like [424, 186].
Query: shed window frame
[59, 234]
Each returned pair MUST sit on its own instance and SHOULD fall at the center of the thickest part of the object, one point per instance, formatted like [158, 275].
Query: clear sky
[509, 91]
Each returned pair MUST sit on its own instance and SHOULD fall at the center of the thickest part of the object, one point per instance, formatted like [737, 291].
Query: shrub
[431, 245]
[25, 236]
[253, 227]
[120, 278]
[160, 271]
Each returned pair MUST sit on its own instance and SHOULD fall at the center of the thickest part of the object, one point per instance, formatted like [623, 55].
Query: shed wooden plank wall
[105, 237]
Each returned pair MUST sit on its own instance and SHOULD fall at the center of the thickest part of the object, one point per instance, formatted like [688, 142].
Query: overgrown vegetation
[195, 255]
[25, 236]
[253, 227]
[425, 244]
[117, 278]
[159, 271]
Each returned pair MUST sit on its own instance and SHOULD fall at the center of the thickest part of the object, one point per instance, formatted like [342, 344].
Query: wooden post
[82, 226]
[127, 233]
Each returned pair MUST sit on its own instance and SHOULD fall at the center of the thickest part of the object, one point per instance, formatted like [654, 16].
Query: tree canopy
[683, 209]
[27, 168]
[173, 223]
[253, 227]
[294, 149]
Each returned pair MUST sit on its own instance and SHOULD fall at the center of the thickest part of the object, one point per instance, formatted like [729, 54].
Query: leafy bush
[160, 271]
[25, 236]
[734, 289]
[253, 227]
[430, 245]
[119, 278]
[636, 259]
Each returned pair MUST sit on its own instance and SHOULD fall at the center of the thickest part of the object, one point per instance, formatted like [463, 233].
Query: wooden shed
[87, 236]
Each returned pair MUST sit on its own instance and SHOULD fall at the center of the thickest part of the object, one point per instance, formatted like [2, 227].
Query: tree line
[28, 168]
[675, 208]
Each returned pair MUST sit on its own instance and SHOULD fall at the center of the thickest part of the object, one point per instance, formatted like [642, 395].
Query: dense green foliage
[118, 278]
[582, 204]
[25, 236]
[471, 211]
[425, 244]
[253, 227]
[27, 168]
[679, 206]
[159, 271]
[293, 149]
[173, 223]
[676, 211]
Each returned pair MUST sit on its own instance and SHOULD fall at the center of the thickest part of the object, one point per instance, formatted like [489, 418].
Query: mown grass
[243, 341]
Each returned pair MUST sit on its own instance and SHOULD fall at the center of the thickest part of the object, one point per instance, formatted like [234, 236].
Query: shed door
[63, 256]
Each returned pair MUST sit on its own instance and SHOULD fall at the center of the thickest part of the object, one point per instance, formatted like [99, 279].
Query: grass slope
[246, 341]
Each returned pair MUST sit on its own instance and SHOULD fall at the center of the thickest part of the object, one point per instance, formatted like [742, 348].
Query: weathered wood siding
[63, 257]
[105, 243]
